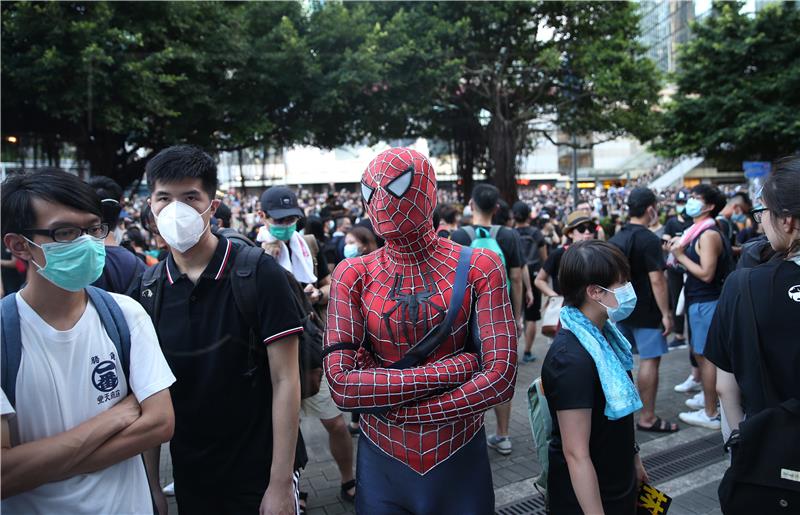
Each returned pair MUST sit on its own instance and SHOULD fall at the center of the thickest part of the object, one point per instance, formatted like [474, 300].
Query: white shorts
[321, 405]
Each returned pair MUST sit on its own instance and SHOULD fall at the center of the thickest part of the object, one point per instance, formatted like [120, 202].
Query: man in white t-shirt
[72, 439]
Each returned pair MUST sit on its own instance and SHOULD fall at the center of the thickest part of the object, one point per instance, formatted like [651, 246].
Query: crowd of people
[174, 314]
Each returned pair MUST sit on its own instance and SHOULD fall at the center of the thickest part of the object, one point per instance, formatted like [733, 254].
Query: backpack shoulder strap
[243, 282]
[151, 289]
[470, 230]
[494, 231]
[115, 324]
[12, 347]
[768, 388]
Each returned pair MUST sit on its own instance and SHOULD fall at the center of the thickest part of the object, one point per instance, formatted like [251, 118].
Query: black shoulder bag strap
[151, 290]
[245, 295]
[431, 341]
[768, 388]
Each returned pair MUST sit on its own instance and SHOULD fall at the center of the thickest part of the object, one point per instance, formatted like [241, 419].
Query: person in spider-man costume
[423, 448]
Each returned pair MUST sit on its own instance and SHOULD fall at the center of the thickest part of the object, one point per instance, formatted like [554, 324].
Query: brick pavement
[321, 478]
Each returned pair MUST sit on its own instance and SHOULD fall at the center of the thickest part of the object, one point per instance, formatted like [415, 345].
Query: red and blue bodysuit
[422, 426]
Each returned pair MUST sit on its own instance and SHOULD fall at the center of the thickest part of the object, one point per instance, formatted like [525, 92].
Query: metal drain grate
[660, 467]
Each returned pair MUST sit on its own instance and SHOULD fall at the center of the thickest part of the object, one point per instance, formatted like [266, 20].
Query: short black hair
[711, 196]
[521, 211]
[50, 184]
[503, 213]
[447, 213]
[223, 214]
[590, 262]
[745, 198]
[183, 162]
[639, 200]
[485, 197]
[108, 190]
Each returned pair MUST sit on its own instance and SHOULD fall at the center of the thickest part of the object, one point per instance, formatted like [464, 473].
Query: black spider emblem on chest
[413, 306]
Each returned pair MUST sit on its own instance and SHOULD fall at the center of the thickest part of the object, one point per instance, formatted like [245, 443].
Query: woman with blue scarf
[586, 375]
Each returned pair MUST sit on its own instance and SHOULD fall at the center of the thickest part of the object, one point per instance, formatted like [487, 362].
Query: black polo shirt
[223, 393]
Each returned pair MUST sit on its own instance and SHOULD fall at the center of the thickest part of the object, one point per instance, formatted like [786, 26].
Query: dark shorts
[533, 313]
[462, 485]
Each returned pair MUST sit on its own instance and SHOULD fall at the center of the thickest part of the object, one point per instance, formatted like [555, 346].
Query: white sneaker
[501, 444]
[690, 385]
[169, 490]
[699, 418]
[697, 402]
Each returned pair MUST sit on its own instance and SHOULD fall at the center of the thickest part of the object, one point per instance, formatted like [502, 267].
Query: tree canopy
[738, 95]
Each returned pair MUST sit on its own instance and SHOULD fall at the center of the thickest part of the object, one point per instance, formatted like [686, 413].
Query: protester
[586, 376]
[448, 220]
[484, 205]
[281, 212]
[78, 405]
[675, 227]
[122, 267]
[705, 254]
[422, 415]
[754, 344]
[534, 254]
[649, 323]
[236, 403]
[579, 228]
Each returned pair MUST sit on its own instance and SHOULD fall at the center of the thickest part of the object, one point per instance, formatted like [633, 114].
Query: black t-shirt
[121, 268]
[775, 290]
[507, 239]
[552, 265]
[674, 227]
[531, 240]
[570, 381]
[223, 394]
[643, 249]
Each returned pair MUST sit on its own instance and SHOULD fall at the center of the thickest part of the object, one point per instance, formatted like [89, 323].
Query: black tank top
[696, 290]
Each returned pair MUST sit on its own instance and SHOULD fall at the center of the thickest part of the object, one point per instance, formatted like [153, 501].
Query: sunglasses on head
[585, 228]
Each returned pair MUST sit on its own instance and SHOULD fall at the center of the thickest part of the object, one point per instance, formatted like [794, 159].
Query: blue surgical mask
[739, 218]
[283, 232]
[351, 250]
[680, 208]
[626, 302]
[694, 207]
[72, 265]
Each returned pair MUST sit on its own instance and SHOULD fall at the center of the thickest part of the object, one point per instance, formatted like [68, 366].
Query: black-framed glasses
[67, 233]
[757, 213]
[586, 228]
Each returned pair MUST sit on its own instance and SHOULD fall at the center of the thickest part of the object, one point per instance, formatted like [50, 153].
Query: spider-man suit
[389, 299]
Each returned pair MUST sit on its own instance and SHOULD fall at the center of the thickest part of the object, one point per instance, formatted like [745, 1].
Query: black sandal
[302, 497]
[345, 494]
[659, 426]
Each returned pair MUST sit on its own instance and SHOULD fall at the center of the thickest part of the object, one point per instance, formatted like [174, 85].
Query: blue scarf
[612, 357]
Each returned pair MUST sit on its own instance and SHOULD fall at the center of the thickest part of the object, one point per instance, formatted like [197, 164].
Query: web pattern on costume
[435, 408]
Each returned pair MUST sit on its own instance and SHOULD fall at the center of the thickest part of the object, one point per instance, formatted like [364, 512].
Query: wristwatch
[635, 448]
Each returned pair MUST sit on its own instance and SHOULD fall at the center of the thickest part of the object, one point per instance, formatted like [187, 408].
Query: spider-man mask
[399, 191]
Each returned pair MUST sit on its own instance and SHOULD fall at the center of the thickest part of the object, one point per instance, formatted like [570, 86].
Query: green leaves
[738, 92]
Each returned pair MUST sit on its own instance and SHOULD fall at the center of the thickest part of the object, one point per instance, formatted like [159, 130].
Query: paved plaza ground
[693, 493]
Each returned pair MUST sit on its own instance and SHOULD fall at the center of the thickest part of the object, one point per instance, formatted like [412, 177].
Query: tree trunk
[503, 154]
[468, 143]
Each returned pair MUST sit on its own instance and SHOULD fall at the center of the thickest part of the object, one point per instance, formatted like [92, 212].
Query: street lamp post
[574, 171]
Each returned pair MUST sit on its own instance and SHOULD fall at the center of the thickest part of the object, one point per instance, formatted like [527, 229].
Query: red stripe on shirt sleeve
[283, 334]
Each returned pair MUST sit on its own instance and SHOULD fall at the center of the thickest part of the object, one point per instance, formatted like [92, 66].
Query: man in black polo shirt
[236, 406]
[650, 321]
[483, 204]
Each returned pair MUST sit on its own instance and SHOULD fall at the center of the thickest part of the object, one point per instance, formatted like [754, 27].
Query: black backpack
[529, 247]
[764, 476]
[245, 295]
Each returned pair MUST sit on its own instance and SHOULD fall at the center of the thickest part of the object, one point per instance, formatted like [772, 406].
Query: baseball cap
[280, 202]
[576, 218]
[641, 198]
[681, 196]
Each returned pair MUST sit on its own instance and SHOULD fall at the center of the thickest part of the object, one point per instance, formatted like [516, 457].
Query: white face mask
[180, 225]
